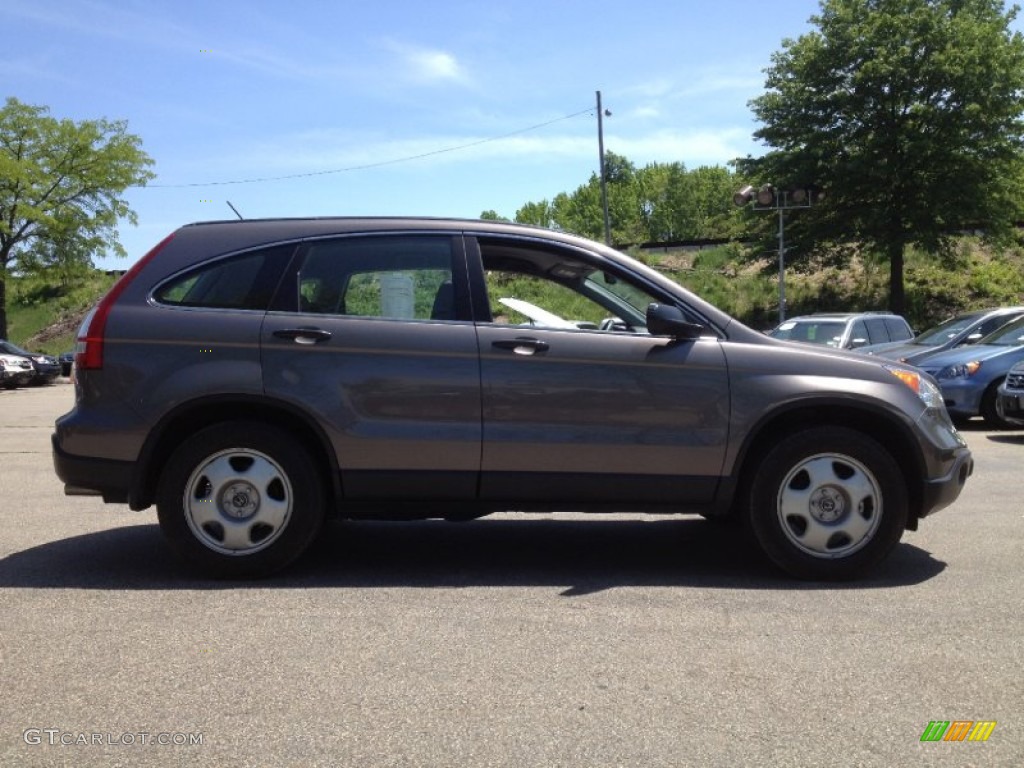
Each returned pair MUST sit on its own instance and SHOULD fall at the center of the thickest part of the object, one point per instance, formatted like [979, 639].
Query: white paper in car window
[787, 326]
[397, 296]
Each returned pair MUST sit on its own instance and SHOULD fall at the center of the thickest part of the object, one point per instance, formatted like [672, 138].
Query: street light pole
[604, 185]
[782, 259]
[768, 198]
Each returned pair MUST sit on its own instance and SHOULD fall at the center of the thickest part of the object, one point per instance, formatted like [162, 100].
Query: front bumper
[17, 378]
[46, 373]
[942, 491]
[1010, 406]
[962, 397]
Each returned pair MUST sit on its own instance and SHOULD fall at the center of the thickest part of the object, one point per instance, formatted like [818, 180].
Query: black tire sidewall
[763, 518]
[306, 516]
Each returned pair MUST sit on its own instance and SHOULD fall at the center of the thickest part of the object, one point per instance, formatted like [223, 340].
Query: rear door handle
[523, 346]
[303, 335]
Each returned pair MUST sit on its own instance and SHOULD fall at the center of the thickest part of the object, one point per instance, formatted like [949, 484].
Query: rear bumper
[83, 476]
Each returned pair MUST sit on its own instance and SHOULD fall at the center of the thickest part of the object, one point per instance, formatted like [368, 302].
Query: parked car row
[958, 331]
[968, 355]
[19, 367]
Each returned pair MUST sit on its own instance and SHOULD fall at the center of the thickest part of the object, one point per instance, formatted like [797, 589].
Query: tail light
[89, 344]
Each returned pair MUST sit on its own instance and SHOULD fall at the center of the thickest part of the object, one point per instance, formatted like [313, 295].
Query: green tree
[909, 113]
[538, 214]
[61, 187]
[659, 202]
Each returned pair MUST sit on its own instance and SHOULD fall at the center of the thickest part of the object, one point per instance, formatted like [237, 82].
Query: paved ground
[505, 642]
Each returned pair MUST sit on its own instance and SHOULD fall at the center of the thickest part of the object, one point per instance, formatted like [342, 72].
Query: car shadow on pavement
[980, 427]
[1009, 439]
[578, 556]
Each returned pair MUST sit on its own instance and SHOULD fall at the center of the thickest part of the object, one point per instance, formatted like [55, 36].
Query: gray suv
[845, 330]
[250, 378]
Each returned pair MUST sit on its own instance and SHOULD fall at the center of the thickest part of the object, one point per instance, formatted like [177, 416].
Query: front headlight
[922, 385]
[959, 371]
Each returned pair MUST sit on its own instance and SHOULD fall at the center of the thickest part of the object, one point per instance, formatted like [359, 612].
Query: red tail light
[89, 349]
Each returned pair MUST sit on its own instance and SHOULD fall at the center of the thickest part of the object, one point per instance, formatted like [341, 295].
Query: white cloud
[428, 65]
[645, 112]
[694, 148]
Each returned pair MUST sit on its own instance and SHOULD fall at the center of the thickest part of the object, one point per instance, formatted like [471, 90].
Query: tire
[827, 503]
[240, 500]
[988, 408]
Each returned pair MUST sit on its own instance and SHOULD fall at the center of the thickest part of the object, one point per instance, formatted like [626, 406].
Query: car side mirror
[666, 320]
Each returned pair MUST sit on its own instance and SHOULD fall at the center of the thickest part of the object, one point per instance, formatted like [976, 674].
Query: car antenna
[234, 209]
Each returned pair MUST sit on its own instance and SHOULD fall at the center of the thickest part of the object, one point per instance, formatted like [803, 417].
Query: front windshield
[814, 331]
[13, 349]
[943, 332]
[1011, 335]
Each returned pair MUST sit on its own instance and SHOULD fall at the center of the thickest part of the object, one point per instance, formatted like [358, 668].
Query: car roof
[836, 316]
[193, 243]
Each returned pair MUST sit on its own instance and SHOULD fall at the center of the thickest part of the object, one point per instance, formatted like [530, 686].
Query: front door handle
[522, 346]
[303, 335]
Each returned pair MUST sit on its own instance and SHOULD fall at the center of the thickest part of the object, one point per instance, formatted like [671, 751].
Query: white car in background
[15, 371]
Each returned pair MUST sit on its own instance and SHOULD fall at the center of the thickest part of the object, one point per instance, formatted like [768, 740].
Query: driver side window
[559, 290]
[521, 299]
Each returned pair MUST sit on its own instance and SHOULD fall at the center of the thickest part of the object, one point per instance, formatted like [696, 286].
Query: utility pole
[601, 113]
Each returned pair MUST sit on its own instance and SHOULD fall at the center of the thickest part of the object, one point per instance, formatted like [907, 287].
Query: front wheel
[827, 503]
[240, 500]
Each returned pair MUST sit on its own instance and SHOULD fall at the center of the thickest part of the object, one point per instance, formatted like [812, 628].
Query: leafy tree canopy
[659, 202]
[909, 113]
[61, 187]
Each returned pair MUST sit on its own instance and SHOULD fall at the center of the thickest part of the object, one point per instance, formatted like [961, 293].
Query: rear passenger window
[994, 324]
[405, 278]
[898, 330]
[876, 330]
[240, 282]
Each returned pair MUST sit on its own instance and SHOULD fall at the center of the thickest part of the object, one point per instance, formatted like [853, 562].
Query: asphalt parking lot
[509, 641]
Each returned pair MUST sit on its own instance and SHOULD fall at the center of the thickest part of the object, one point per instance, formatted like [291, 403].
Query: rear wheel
[827, 503]
[240, 499]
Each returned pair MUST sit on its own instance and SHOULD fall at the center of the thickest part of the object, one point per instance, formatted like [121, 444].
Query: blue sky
[494, 101]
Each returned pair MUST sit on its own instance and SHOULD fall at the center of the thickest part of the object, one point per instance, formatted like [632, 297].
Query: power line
[366, 166]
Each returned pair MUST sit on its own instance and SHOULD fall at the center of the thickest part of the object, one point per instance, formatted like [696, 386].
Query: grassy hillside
[44, 316]
[973, 277]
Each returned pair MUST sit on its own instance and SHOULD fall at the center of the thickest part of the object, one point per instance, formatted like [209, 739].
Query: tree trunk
[3, 301]
[897, 298]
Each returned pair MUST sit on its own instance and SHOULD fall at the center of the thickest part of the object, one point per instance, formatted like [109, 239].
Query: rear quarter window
[247, 281]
